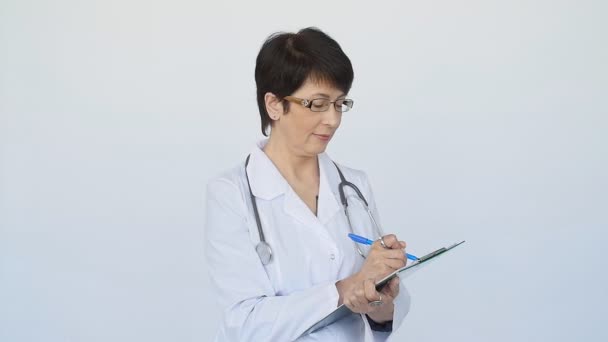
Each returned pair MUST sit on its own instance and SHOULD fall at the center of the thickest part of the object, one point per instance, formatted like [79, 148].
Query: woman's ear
[274, 106]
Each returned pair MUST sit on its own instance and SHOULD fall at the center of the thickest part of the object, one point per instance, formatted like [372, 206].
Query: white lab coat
[279, 301]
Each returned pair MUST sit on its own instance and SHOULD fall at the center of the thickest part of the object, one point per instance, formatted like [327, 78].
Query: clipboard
[343, 311]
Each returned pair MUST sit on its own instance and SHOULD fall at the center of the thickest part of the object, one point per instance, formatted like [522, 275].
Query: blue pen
[366, 241]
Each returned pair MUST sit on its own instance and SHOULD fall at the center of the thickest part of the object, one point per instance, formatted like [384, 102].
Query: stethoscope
[263, 248]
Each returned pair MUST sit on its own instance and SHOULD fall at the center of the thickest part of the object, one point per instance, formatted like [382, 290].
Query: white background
[477, 120]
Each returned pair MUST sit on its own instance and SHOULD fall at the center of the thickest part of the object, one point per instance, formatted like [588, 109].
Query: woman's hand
[359, 290]
[382, 261]
[384, 312]
[362, 297]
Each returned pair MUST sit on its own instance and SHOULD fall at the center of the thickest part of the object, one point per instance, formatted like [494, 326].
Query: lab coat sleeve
[251, 309]
[403, 300]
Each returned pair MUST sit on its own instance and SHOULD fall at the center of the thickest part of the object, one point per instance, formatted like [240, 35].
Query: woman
[277, 238]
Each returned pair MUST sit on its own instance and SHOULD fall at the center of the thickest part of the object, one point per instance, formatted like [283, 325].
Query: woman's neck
[293, 166]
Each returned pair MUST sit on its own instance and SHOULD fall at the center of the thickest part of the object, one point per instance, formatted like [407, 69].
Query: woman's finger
[390, 240]
[390, 291]
[394, 287]
[395, 244]
[392, 254]
[369, 287]
[393, 264]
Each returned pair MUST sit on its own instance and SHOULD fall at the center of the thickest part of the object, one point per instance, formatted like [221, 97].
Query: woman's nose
[332, 116]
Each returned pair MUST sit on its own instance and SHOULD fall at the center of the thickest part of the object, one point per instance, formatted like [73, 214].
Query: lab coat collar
[265, 179]
[267, 183]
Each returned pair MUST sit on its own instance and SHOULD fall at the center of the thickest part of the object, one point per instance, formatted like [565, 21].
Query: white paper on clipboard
[404, 272]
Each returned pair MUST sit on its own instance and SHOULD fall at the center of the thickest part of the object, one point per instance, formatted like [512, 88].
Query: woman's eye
[319, 104]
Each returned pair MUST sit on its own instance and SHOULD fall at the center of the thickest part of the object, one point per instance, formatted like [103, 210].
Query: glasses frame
[308, 103]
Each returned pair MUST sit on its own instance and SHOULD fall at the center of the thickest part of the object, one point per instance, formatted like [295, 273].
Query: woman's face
[305, 132]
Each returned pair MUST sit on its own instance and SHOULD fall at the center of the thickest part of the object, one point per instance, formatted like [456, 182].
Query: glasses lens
[319, 105]
[344, 105]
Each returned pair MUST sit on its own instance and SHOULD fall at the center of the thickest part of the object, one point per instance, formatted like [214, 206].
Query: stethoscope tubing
[263, 248]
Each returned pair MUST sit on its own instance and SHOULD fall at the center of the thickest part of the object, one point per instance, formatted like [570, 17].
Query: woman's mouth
[323, 137]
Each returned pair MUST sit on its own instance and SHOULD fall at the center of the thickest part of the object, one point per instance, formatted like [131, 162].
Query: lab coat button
[332, 256]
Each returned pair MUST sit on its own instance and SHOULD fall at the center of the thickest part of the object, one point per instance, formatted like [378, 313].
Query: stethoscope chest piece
[264, 252]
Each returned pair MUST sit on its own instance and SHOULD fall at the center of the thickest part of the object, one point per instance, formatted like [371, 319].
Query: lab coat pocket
[301, 259]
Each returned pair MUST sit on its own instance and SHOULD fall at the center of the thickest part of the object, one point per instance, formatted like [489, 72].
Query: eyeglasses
[321, 104]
